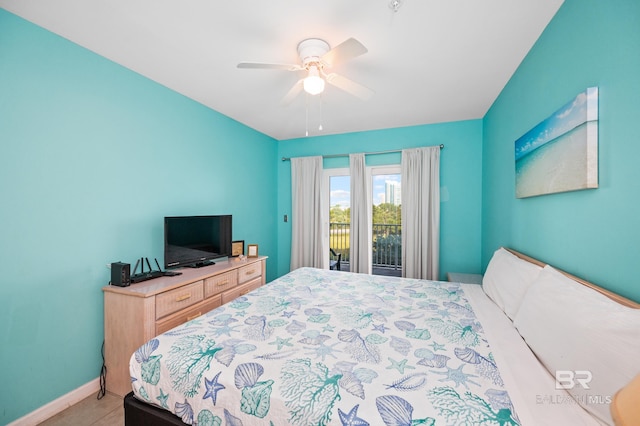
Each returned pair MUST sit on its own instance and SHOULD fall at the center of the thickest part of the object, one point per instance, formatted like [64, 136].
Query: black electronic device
[120, 274]
[142, 275]
[196, 240]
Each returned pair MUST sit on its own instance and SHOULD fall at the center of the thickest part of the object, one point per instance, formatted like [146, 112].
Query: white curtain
[360, 232]
[421, 213]
[307, 244]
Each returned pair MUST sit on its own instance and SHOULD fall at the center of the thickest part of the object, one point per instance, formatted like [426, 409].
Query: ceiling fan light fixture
[313, 84]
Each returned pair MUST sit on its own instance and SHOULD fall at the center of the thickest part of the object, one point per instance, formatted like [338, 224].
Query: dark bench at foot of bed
[137, 413]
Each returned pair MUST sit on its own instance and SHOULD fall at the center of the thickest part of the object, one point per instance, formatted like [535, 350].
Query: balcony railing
[386, 244]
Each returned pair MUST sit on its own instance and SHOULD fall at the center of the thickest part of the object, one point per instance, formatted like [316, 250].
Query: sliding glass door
[386, 232]
[386, 227]
[339, 193]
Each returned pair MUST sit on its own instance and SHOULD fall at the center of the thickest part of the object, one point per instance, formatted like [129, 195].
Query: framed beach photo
[252, 250]
[237, 248]
[561, 153]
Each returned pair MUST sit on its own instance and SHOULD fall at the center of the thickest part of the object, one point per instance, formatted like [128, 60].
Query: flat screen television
[195, 241]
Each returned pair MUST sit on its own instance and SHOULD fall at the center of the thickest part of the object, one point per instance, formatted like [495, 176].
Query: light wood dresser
[135, 314]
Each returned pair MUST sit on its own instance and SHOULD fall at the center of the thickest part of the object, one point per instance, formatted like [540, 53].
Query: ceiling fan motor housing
[311, 50]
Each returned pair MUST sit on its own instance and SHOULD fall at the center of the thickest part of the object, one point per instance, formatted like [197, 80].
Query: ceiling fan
[316, 56]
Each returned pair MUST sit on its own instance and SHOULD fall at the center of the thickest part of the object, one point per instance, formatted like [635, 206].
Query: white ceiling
[431, 61]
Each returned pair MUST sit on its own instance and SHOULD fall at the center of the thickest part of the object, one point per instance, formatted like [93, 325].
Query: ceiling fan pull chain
[306, 116]
[320, 100]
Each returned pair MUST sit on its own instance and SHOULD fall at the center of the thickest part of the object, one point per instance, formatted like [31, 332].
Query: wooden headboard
[611, 295]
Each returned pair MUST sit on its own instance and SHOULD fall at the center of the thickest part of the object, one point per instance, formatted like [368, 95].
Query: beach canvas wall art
[561, 153]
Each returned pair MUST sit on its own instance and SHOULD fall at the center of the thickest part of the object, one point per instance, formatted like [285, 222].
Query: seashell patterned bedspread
[318, 347]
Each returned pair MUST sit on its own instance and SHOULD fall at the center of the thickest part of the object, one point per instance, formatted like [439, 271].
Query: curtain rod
[366, 153]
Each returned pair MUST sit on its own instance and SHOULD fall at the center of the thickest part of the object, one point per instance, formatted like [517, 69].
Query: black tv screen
[196, 240]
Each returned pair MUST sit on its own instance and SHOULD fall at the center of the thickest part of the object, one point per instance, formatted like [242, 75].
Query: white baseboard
[54, 407]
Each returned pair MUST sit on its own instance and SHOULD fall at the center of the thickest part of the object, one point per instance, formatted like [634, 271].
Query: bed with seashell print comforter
[318, 347]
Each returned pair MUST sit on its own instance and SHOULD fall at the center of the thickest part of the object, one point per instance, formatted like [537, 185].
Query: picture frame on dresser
[252, 250]
[237, 248]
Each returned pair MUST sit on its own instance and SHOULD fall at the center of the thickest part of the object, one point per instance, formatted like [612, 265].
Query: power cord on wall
[103, 376]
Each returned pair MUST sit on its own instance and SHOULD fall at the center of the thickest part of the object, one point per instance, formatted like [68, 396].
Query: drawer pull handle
[184, 297]
[242, 293]
[221, 283]
[194, 316]
[250, 272]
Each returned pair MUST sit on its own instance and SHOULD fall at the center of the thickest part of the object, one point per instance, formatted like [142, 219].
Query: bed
[319, 347]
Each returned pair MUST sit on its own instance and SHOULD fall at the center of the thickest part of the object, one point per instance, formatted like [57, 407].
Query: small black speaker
[120, 274]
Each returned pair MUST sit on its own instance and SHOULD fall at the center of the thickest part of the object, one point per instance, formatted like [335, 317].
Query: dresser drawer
[179, 298]
[241, 290]
[220, 283]
[188, 315]
[249, 272]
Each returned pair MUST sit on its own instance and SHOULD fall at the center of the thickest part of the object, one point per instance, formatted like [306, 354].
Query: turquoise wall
[593, 233]
[460, 180]
[92, 157]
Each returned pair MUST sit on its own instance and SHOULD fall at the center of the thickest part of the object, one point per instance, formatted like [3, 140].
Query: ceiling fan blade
[349, 86]
[259, 65]
[292, 93]
[346, 50]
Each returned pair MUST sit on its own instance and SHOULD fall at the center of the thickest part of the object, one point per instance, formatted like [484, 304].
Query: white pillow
[582, 337]
[507, 279]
